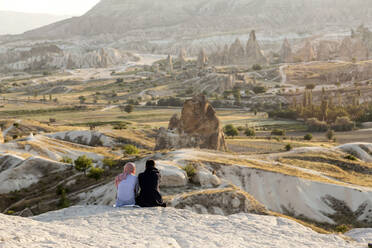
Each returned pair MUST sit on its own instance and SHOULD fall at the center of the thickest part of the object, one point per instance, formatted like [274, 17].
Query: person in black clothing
[149, 181]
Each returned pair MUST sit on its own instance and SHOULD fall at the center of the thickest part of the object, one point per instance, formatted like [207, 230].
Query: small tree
[250, 132]
[82, 99]
[257, 67]
[308, 137]
[288, 147]
[230, 130]
[96, 173]
[109, 162]
[330, 134]
[129, 108]
[83, 163]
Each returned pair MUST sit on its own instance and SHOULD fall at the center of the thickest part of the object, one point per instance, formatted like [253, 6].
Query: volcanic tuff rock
[237, 55]
[198, 127]
[253, 50]
[306, 53]
[285, 52]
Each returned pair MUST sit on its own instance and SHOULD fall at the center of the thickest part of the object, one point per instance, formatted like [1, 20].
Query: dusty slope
[97, 226]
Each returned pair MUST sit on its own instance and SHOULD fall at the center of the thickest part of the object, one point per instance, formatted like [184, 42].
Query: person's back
[149, 181]
[127, 191]
[127, 186]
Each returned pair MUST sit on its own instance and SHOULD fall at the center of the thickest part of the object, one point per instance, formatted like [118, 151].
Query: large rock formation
[253, 51]
[198, 127]
[237, 55]
[202, 60]
[306, 53]
[285, 53]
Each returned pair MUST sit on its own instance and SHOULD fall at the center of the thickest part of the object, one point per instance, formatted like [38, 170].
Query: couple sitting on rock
[142, 191]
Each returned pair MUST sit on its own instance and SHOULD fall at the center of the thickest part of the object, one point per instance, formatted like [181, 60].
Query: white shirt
[127, 190]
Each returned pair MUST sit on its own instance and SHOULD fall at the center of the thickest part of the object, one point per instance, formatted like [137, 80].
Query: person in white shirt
[127, 186]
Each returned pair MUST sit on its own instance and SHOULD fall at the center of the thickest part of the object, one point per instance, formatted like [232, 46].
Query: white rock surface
[363, 151]
[24, 172]
[363, 235]
[84, 137]
[171, 174]
[98, 226]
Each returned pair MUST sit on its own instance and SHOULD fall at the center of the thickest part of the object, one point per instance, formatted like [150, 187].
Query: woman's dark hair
[150, 164]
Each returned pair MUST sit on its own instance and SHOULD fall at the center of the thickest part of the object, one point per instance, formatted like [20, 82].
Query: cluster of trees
[170, 101]
[328, 113]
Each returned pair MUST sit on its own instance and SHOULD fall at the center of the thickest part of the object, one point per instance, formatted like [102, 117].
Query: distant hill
[17, 22]
[175, 19]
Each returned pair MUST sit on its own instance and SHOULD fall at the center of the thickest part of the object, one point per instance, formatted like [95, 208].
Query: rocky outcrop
[181, 58]
[327, 50]
[253, 51]
[219, 201]
[236, 54]
[306, 53]
[169, 64]
[202, 61]
[198, 127]
[285, 53]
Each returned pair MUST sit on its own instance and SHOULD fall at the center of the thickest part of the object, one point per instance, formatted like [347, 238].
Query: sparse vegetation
[66, 160]
[130, 150]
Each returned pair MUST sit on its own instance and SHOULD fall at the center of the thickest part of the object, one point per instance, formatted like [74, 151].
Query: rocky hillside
[180, 18]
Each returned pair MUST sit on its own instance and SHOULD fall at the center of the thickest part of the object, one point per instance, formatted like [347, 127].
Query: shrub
[351, 157]
[63, 201]
[109, 162]
[343, 124]
[130, 150]
[288, 147]
[190, 170]
[171, 101]
[343, 228]
[259, 89]
[250, 132]
[308, 137]
[96, 173]
[82, 99]
[66, 160]
[314, 125]
[120, 126]
[278, 132]
[10, 212]
[230, 130]
[119, 80]
[129, 108]
[83, 163]
[330, 134]
[257, 67]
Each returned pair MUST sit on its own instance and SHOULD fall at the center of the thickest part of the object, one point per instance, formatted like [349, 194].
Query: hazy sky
[56, 7]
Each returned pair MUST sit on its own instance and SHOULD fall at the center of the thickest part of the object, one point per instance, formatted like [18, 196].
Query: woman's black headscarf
[149, 182]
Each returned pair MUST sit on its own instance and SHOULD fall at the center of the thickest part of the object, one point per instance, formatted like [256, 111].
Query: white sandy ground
[100, 226]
